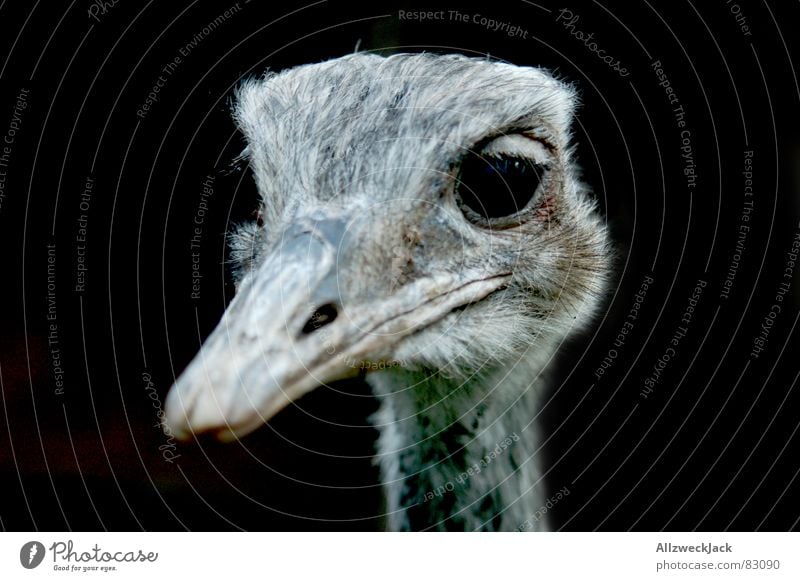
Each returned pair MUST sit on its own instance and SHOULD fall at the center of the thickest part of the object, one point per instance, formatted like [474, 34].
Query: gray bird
[421, 219]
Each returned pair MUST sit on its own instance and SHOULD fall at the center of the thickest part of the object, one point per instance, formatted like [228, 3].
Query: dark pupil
[495, 187]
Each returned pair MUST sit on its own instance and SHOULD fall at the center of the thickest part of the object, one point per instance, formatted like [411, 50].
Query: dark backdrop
[87, 356]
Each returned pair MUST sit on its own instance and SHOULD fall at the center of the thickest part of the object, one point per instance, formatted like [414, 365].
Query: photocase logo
[31, 554]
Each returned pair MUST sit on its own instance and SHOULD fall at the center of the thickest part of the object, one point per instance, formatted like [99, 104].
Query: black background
[714, 446]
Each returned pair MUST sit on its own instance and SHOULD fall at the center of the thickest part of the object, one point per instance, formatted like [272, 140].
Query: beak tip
[176, 417]
[192, 410]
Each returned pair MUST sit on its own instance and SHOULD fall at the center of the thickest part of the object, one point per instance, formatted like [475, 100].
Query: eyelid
[518, 145]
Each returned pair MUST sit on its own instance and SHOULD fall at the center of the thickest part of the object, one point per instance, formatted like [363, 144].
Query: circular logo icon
[31, 554]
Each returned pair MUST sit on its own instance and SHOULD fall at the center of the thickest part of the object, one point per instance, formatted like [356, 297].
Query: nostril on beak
[324, 315]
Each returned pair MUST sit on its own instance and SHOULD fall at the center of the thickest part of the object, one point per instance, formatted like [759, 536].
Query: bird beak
[294, 325]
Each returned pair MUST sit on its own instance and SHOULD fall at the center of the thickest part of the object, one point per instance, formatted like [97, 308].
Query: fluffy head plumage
[381, 138]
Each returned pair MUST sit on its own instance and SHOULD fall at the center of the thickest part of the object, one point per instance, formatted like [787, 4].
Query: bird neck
[460, 455]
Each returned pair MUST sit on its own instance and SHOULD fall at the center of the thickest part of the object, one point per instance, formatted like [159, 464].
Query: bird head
[417, 211]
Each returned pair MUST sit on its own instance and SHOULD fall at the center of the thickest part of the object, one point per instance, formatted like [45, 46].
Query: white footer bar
[419, 556]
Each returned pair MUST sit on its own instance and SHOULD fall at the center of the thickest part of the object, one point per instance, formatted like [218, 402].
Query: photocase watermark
[100, 8]
[81, 235]
[422, 15]
[169, 447]
[664, 82]
[9, 139]
[743, 230]
[680, 332]
[508, 28]
[784, 286]
[687, 155]
[627, 327]
[473, 470]
[184, 51]
[541, 512]
[206, 192]
[53, 343]
[318, 319]
[569, 20]
[155, 91]
[679, 117]
[740, 18]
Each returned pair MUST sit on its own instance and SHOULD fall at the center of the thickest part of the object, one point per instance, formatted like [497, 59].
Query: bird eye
[497, 185]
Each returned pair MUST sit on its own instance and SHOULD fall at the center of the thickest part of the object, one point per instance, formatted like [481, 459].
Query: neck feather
[461, 455]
